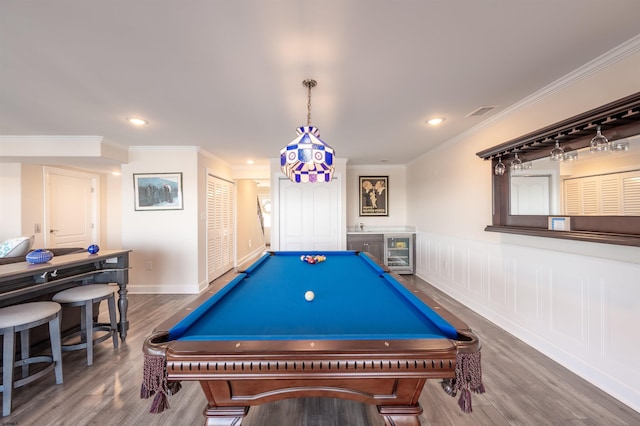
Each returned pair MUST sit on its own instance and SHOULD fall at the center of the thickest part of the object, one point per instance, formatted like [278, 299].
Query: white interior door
[309, 216]
[220, 226]
[530, 195]
[70, 209]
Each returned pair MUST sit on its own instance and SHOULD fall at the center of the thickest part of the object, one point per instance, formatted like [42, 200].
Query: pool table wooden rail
[305, 358]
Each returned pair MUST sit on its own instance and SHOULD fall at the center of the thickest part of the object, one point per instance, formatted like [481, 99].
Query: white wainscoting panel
[581, 311]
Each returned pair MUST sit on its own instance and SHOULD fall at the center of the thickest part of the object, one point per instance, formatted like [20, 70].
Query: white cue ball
[309, 296]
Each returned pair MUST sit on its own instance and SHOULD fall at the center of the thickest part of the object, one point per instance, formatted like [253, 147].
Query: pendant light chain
[309, 106]
[309, 84]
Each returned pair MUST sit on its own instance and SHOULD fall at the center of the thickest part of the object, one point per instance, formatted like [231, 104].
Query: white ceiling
[227, 75]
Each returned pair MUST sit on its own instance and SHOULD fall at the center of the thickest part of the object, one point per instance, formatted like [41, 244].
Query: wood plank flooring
[523, 387]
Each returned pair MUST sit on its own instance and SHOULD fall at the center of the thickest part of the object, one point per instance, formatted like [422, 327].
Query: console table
[22, 281]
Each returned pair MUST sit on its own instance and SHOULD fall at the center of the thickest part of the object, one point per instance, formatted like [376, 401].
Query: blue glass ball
[93, 249]
[39, 256]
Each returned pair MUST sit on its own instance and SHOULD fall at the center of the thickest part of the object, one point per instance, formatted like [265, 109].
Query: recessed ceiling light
[137, 121]
[249, 161]
[435, 121]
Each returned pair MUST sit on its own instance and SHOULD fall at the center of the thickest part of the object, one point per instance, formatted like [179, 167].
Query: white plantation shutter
[615, 194]
[631, 194]
[572, 189]
[610, 195]
[220, 226]
[590, 199]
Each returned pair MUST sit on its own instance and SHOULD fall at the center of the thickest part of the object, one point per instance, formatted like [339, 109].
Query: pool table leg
[224, 416]
[394, 415]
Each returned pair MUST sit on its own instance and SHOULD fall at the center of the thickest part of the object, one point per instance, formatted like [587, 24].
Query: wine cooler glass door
[398, 253]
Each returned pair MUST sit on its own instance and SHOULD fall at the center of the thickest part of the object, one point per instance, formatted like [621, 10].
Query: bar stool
[21, 318]
[85, 296]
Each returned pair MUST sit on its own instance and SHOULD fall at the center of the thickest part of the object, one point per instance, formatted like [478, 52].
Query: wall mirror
[599, 192]
[585, 183]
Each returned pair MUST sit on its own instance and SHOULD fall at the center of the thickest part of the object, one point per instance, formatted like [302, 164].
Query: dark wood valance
[619, 119]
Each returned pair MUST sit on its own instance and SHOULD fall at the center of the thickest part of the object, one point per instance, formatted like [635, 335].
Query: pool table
[367, 335]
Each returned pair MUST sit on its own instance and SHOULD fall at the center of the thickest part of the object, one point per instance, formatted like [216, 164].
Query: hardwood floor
[523, 387]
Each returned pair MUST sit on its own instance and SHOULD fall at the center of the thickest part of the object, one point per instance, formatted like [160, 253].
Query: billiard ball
[309, 296]
[93, 249]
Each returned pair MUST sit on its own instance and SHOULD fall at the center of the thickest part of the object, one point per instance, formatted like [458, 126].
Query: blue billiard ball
[93, 249]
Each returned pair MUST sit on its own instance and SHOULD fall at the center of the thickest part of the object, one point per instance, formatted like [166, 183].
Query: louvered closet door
[220, 226]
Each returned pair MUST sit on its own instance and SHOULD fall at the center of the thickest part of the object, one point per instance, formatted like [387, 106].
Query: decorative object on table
[93, 249]
[307, 158]
[157, 191]
[39, 256]
[15, 247]
[313, 259]
[374, 195]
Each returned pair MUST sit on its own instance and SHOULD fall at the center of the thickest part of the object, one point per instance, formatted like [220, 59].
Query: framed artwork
[157, 191]
[374, 195]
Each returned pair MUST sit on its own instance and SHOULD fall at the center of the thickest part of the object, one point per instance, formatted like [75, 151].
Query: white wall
[111, 212]
[22, 188]
[11, 199]
[577, 302]
[396, 190]
[250, 240]
[168, 247]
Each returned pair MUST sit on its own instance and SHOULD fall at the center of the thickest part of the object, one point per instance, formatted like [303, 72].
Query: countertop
[381, 229]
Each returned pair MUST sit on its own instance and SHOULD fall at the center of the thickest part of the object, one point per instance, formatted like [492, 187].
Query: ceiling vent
[479, 112]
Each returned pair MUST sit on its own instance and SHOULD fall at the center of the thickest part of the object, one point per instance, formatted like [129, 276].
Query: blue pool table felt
[354, 299]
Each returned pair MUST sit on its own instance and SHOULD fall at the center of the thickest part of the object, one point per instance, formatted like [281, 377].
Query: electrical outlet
[149, 265]
[249, 243]
[36, 228]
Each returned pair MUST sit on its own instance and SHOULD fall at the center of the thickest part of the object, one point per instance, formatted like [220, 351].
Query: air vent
[481, 111]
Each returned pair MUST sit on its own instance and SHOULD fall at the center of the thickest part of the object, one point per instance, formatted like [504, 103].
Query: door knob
[51, 231]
